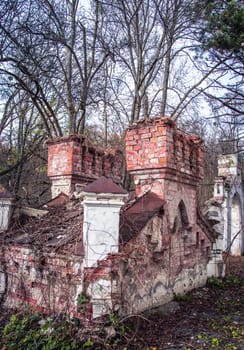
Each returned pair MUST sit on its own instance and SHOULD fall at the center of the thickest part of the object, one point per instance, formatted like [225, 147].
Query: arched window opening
[218, 188]
[93, 165]
[202, 246]
[191, 159]
[112, 168]
[175, 150]
[183, 214]
[183, 151]
[103, 165]
[181, 221]
[197, 239]
[177, 225]
[83, 159]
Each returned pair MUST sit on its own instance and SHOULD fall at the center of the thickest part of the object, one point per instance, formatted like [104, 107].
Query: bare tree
[61, 61]
[153, 48]
[52, 51]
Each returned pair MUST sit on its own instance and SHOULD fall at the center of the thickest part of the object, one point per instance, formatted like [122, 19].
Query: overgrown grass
[181, 297]
[29, 331]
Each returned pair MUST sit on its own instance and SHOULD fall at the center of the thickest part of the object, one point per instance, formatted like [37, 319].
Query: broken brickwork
[73, 160]
[167, 161]
[46, 281]
[172, 248]
[42, 261]
[156, 149]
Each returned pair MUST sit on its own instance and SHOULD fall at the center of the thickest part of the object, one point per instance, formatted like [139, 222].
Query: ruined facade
[101, 251]
[173, 245]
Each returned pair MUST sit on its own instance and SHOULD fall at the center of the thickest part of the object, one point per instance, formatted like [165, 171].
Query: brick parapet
[158, 144]
[74, 160]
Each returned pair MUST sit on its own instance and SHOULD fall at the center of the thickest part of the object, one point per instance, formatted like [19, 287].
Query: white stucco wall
[101, 226]
[100, 292]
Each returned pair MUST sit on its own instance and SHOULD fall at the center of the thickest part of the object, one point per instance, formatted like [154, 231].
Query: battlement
[73, 160]
[157, 145]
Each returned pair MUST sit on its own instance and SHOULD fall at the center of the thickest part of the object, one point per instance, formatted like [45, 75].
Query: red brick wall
[54, 283]
[77, 161]
[48, 282]
[156, 144]
[166, 161]
[60, 158]
[72, 156]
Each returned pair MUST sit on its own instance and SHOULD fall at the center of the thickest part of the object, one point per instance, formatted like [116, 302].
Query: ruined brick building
[94, 247]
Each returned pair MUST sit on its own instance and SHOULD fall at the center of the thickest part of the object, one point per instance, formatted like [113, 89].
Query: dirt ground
[207, 318]
[211, 317]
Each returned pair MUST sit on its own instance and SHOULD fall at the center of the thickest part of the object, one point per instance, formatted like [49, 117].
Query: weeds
[215, 282]
[30, 332]
[234, 280]
[230, 279]
[181, 297]
[211, 342]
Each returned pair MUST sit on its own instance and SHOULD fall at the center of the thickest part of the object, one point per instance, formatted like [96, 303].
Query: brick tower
[165, 160]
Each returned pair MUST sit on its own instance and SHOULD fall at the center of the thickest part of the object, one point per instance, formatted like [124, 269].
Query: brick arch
[181, 219]
[183, 213]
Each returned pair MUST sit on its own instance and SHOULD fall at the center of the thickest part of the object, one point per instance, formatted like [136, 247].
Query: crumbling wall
[156, 150]
[169, 163]
[159, 263]
[102, 287]
[46, 281]
[73, 160]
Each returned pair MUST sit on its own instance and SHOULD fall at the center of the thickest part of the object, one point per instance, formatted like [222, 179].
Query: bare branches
[53, 31]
